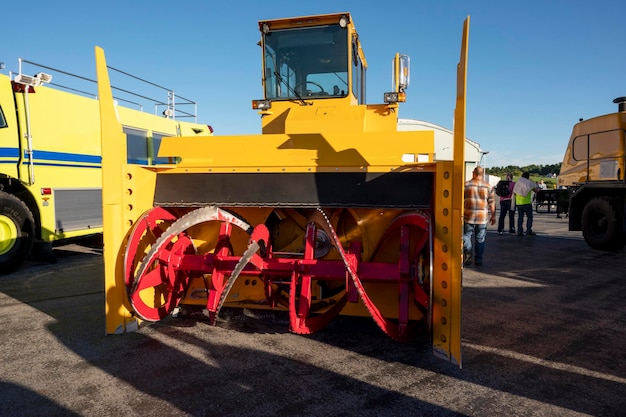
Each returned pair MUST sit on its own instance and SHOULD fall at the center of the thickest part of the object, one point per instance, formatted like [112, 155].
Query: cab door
[9, 130]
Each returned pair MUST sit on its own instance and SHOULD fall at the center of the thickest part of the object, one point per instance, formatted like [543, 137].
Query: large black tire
[602, 224]
[17, 232]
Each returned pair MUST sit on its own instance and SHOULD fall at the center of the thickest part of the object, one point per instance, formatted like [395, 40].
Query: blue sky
[535, 67]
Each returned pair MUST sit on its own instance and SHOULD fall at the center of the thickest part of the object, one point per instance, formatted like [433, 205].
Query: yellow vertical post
[443, 262]
[118, 317]
[447, 260]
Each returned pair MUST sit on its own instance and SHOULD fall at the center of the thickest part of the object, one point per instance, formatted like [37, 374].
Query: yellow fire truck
[50, 159]
[331, 210]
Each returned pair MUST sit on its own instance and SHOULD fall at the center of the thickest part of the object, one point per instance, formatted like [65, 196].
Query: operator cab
[312, 58]
[314, 78]
[306, 62]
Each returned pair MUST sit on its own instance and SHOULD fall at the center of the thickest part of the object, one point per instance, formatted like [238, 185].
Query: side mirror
[401, 72]
[400, 75]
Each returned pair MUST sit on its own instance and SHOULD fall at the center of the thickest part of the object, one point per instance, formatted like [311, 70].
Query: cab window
[136, 146]
[358, 75]
[306, 62]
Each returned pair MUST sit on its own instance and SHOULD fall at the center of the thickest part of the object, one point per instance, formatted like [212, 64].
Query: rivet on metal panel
[444, 284]
[444, 267]
[446, 175]
[444, 230]
[129, 176]
[129, 207]
[443, 338]
[444, 248]
[129, 192]
[445, 212]
[446, 193]
[444, 320]
[443, 302]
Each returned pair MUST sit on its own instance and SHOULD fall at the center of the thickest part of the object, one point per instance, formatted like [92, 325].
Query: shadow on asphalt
[543, 327]
[218, 379]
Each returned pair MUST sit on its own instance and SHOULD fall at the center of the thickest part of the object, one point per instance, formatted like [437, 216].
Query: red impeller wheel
[305, 316]
[401, 248]
[145, 233]
[158, 290]
[409, 236]
[161, 279]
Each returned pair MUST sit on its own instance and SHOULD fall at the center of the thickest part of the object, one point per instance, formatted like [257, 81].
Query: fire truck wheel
[602, 224]
[17, 232]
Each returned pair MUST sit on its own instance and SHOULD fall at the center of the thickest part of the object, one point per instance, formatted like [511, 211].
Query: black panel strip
[320, 189]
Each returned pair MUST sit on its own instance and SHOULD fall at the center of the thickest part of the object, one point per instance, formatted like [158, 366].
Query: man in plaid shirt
[480, 209]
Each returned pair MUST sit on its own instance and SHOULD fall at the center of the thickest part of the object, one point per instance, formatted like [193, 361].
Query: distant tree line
[534, 170]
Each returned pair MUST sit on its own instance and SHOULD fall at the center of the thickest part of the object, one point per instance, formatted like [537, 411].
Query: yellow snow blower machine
[331, 210]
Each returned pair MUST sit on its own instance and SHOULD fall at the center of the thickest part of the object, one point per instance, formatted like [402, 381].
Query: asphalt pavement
[544, 329]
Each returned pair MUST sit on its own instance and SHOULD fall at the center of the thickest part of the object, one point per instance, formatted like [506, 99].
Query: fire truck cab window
[3, 121]
[306, 62]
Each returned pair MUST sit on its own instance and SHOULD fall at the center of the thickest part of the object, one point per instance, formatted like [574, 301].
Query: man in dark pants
[523, 194]
[505, 208]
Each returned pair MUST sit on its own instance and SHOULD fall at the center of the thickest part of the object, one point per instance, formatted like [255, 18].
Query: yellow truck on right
[593, 172]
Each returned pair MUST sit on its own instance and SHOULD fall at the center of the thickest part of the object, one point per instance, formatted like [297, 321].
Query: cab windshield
[306, 62]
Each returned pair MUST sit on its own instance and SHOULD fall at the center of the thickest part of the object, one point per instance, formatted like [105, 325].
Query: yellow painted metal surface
[330, 115]
[113, 159]
[354, 151]
[126, 193]
[447, 281]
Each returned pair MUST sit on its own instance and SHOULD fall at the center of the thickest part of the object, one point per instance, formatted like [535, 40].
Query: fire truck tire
[17, 232]
[602, 224]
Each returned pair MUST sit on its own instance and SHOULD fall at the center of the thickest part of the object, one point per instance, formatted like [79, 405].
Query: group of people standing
[520, 198]
[480, 209]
